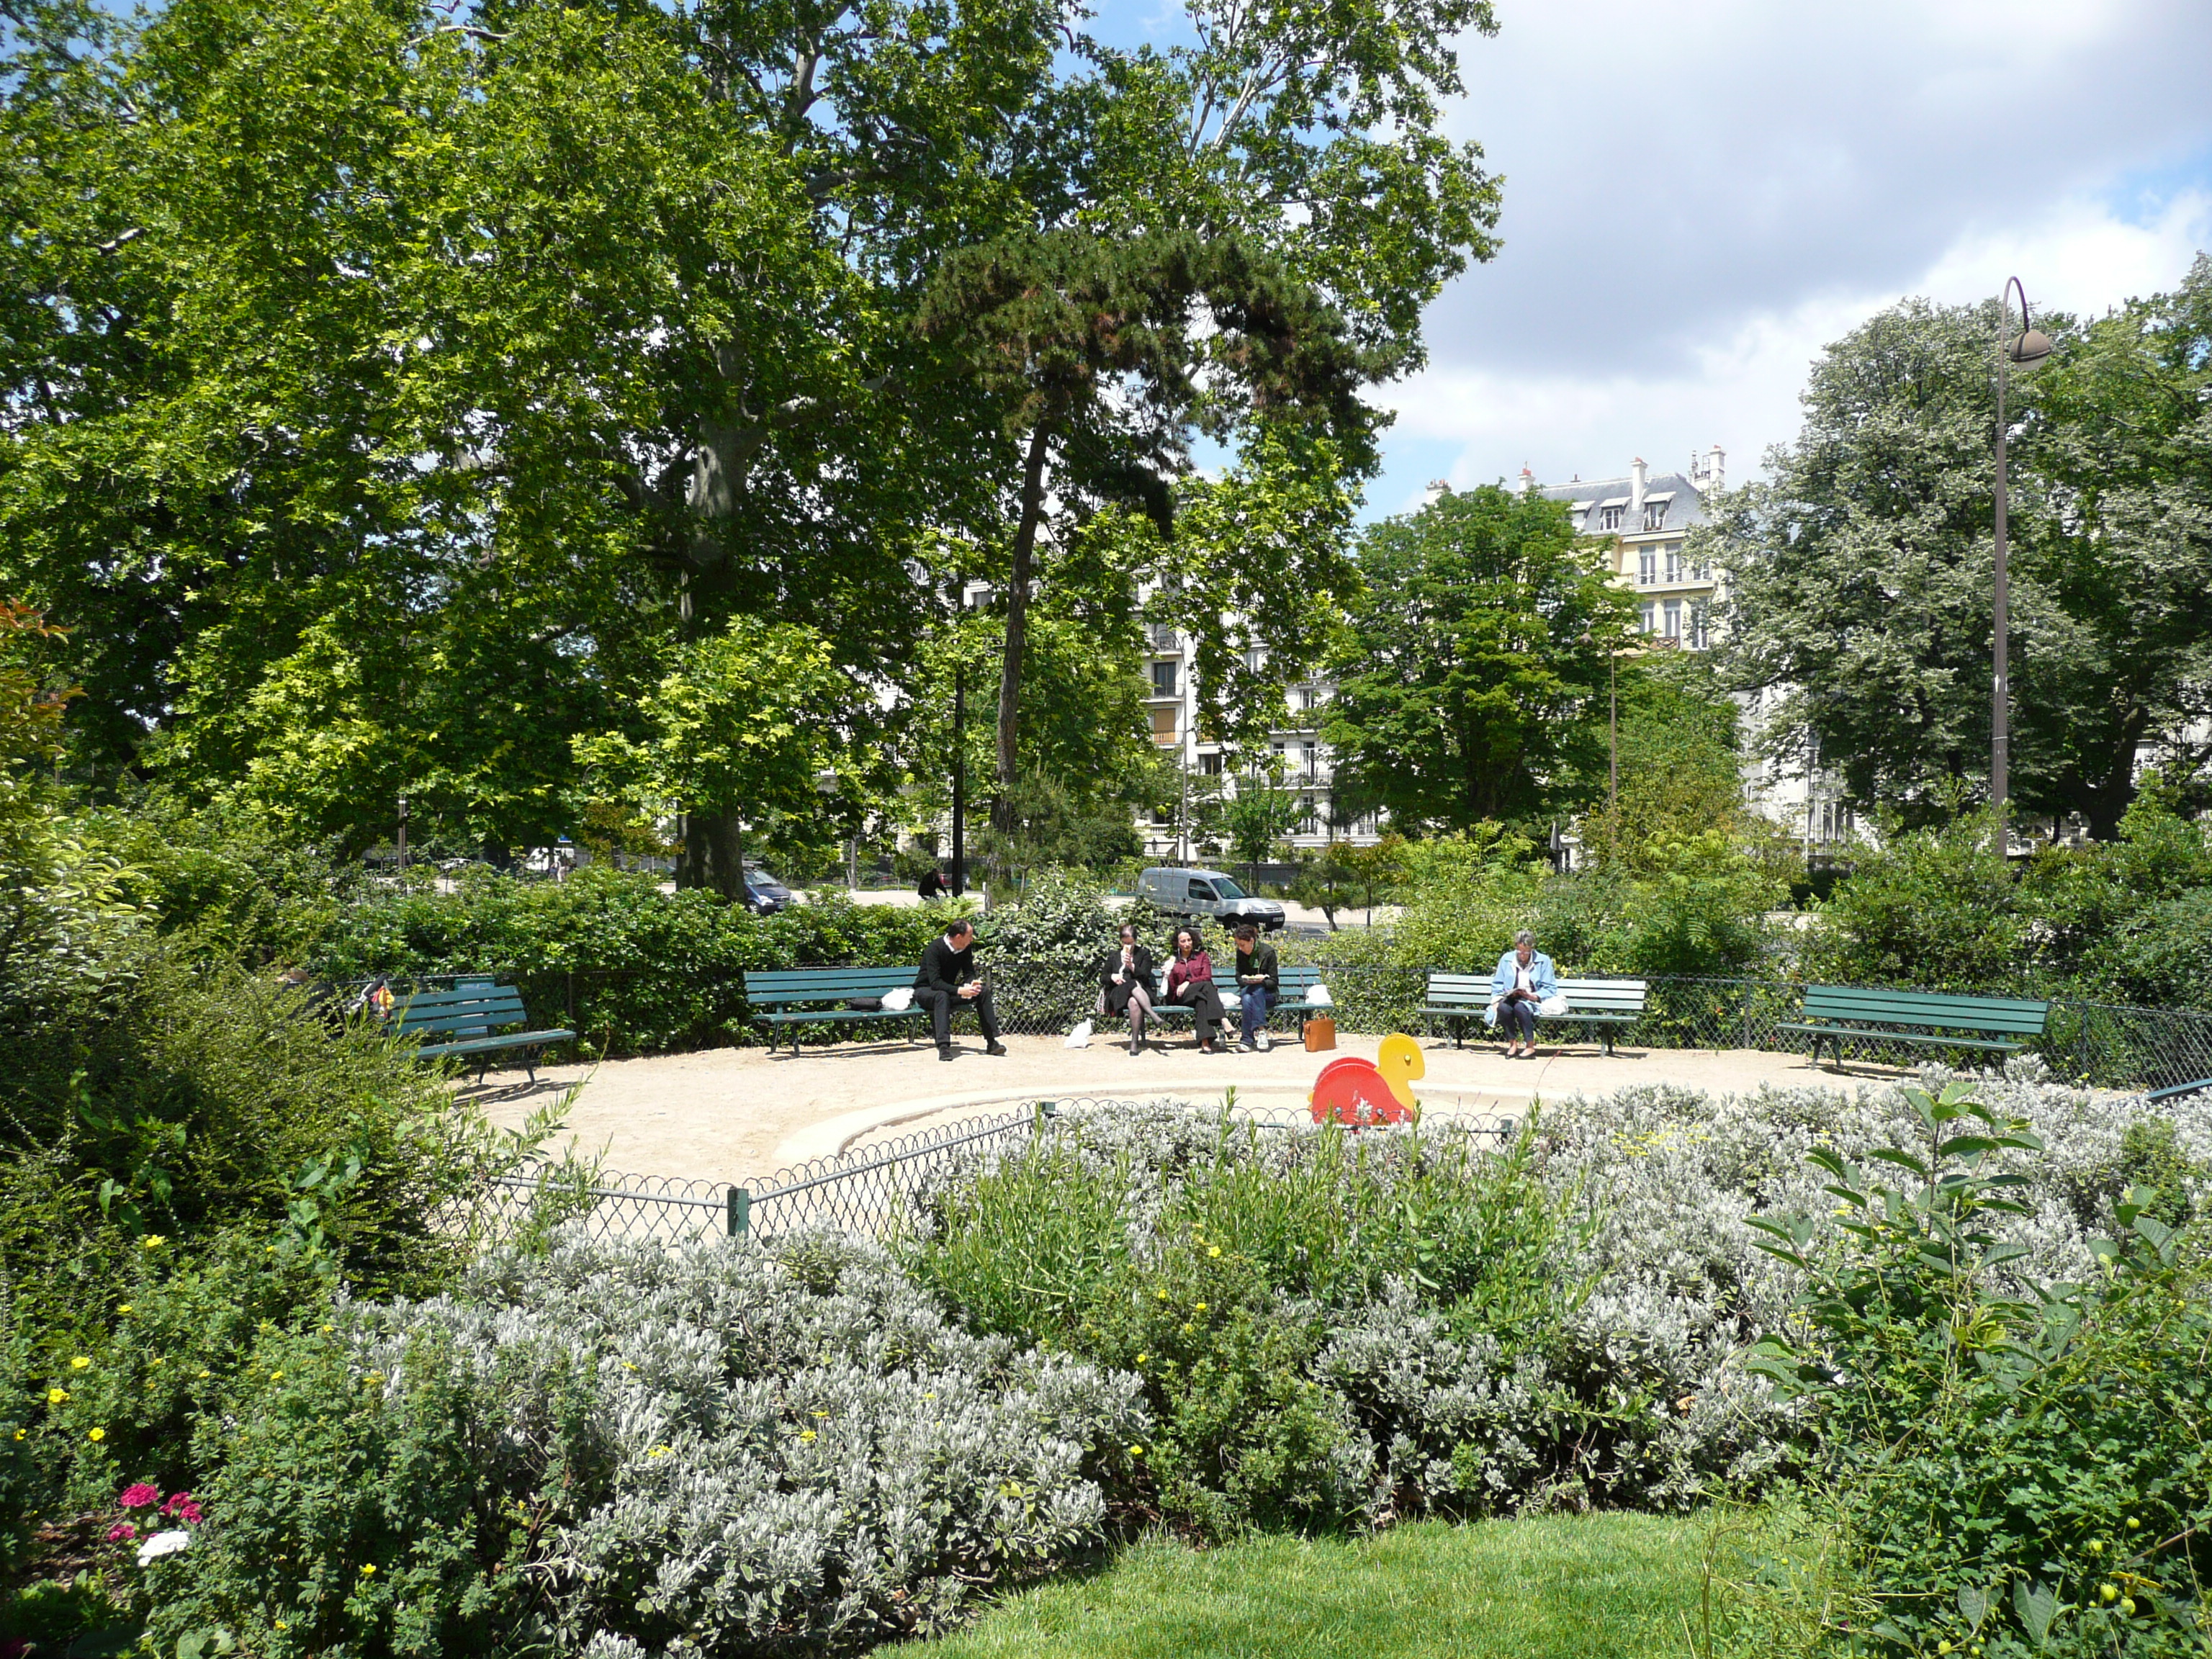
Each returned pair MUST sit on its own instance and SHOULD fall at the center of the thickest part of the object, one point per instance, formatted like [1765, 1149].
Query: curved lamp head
[2032, 347]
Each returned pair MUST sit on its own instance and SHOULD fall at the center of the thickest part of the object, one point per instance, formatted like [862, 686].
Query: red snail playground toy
[1361, 1092]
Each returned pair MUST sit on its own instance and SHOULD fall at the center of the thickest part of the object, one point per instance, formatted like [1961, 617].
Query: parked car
[1207, 893]
[764, 893]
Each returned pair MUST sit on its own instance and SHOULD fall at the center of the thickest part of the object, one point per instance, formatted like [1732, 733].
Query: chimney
[1438, 488]
[1527, 479]
[1636, 494]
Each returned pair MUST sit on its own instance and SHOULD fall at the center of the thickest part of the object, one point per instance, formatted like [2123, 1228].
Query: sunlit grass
[1577, 1587]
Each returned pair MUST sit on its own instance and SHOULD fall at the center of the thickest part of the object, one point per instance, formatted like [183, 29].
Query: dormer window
[1654, 515]
[1608, 518]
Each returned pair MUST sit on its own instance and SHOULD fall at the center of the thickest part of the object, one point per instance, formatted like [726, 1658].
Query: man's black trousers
[941, 1004]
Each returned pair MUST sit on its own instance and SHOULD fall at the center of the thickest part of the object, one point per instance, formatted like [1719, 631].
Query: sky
[1701, 194]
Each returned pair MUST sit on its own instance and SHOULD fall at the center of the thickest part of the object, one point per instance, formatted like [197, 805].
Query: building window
[1608, 518]
[1255, 659]
[1164, 680]
[1210, 764]
[1647, 566]
[1306, 806]
[1700, 636]
[1309, 762]
[1654, 515]
[1673, 619]
[1651, 618]
[1308, 698]
[1701, 568]
[1160, 818]
[1674, 563]
[1163, 725]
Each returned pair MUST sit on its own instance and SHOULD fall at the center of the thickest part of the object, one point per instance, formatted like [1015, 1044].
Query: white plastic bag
[898, 1000]
[1551, 1007]
[1319, 997]
[1490, 1016]
[1080, 1036]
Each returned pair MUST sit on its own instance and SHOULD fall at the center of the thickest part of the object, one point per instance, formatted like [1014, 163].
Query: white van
[1207, 893]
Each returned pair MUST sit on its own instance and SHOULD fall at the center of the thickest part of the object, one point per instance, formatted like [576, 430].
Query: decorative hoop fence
[868, 1191]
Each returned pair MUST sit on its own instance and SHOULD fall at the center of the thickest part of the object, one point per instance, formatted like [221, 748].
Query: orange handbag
[1321, 1033]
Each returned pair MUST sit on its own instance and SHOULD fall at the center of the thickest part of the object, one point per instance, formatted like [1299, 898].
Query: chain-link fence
[619, 1011]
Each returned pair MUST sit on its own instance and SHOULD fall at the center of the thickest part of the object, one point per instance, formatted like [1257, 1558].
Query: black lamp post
[2030, 346]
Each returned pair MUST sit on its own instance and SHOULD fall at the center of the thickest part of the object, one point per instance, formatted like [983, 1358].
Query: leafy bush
[619, 1451]
[1935, 909]
[2024, 1464]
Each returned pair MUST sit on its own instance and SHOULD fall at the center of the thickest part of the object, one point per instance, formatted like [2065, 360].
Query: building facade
[1649, 518]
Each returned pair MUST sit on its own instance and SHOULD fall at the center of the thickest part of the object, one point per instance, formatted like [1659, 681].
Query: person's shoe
[995, 1048]
[1261, 1041]
[1136, 1045]
[945, 1053]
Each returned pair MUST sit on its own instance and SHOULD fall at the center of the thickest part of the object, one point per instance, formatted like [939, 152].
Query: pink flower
[140, 1497]
[121, 1532]
[182, 1507]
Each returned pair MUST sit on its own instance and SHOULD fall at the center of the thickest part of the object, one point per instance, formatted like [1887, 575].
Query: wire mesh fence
[622, 1012]
[869, 1191]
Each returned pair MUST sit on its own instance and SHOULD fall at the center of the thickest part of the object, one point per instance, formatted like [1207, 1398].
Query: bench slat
[1927, 1009]
[486, 1045]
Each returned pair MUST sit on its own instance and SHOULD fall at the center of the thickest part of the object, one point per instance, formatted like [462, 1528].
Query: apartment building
[1649, 518]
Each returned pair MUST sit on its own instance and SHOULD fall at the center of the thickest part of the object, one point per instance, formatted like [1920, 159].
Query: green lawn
[1577, 1587]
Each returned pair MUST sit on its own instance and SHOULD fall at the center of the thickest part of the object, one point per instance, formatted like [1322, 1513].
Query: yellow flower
[1136, 1451]
[1213, 1249]
[327, 1330]
[79, 1363]
[281, 1624]
[2128, 1605]
[1142, 1358]
[1188, 1327]
[1198, 1307]
[806, 1434]
[929, 1396]
[819, 1415]
[2107, 1592]
[55, 1396]
[21, 1433]
[205, 1375]
[152, 1241]
[275, 1377]
[96, 1436]
[123, 1309]
[2134, 1524]
[367, 1569]
[657, 1451]
[1162, 1295]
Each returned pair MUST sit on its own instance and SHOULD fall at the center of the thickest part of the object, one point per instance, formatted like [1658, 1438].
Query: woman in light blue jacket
[1524, 978]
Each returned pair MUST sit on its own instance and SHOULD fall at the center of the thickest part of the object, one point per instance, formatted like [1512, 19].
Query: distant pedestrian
[1524, 978]
[934, 884]
[1259, 983]
[1125, 980]
[948, 978]
[1190, 981]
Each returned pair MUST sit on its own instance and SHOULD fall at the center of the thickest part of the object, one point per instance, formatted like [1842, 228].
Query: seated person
[1259, 983]
[1524, 978]
[948, 978]
[1190, 981]
[1125, 980]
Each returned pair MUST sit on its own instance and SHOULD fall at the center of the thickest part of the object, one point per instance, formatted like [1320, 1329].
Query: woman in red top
[1190, 981]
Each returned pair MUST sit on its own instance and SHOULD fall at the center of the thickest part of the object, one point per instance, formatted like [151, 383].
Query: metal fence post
[740, 1215]
[570, 977]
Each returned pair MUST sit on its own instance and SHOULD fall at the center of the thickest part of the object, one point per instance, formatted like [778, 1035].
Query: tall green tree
[1471, 678]
[1862, 567]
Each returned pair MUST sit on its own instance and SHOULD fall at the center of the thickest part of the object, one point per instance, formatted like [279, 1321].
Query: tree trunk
[1018, 616]
[714, 855]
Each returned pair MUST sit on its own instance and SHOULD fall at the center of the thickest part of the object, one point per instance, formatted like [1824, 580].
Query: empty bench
[1927, 1019]
[1295, 985]
[472, 1018]
[1603, 1006]
[792, 997]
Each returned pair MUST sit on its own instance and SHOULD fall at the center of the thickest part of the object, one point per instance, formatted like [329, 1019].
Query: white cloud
[1700, 194]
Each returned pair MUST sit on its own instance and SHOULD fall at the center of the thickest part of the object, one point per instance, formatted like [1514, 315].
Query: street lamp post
[2030, 346]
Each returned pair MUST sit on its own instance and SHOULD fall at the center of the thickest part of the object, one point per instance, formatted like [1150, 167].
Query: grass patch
[1577, 1587]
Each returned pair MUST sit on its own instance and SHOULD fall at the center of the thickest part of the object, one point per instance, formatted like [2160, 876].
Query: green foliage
[1681, 769]
[2023, 1465]
[1861, 568]
[1471, 676]
[1223, 1298]
[1932, 908]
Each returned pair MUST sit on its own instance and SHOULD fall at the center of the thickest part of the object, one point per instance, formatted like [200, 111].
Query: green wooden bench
[473, 1016]
[1928, 1018]
[823, 996]
[1604, 1005]
[1294, 984]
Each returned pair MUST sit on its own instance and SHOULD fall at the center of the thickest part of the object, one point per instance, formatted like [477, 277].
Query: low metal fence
[619, 1011]
[866, 1192]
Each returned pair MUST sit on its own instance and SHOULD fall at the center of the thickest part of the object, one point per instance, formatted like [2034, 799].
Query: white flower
[162, 1543]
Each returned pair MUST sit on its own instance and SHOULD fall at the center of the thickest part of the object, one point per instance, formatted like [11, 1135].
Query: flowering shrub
[725, 1450]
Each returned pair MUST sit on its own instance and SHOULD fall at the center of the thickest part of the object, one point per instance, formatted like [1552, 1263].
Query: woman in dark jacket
[1190, 980]
[1124, 979]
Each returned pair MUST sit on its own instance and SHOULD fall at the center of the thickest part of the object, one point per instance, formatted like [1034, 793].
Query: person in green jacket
[1259, 983]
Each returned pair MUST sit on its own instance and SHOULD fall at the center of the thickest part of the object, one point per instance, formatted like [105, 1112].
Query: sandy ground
[737, 1114]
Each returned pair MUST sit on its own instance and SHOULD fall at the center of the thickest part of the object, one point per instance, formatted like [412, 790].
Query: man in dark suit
[948, 978]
